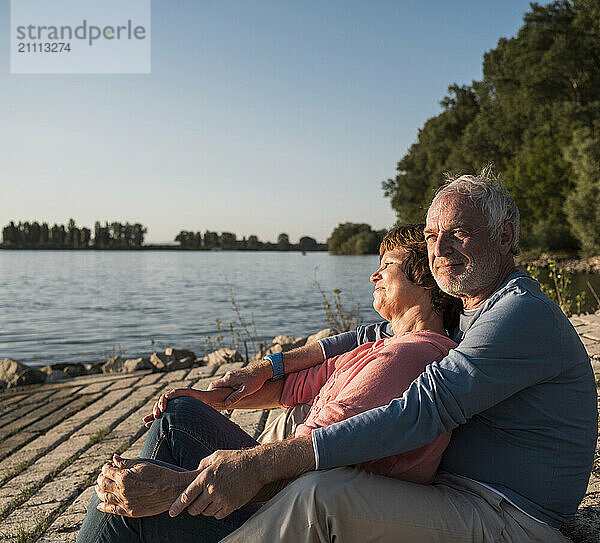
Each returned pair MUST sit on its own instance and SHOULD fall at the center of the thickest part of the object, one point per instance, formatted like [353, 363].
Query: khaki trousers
[285, 424]
[348, 505]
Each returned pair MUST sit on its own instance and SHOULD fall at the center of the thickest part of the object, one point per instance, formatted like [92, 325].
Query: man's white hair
[489, 195]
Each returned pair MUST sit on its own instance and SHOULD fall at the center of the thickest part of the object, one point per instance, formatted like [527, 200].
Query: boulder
[180, 363]
[113, 365]
[93, 368]
[288, 342]
[14, 374]
[180, 353]
[55, 376]
[224, 356]
[163, 362]
[280, 344]
[326, 332]
[159, 361]
[74, 370]
[136, 364]
[71, 370]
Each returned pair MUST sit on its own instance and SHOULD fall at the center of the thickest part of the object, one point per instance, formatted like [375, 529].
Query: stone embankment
[572, 265]
[55, 437]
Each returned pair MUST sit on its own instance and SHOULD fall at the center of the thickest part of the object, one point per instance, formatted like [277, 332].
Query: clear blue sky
[259, 117]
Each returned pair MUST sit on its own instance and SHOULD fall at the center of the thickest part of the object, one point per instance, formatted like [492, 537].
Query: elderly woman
[135, 495]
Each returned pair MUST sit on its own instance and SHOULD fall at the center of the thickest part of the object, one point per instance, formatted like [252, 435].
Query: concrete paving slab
[201, 372]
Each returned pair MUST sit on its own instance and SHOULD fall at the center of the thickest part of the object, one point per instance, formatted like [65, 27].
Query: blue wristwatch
[276, 360]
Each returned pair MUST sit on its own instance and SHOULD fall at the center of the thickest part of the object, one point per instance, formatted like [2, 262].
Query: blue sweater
[518, 393]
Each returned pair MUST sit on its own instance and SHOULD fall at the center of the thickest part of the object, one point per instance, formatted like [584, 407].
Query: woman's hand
[214, 398]
[243, 382]
[134, 488]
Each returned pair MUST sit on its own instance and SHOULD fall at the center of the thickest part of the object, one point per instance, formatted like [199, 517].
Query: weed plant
[557, 287]
[337, 316]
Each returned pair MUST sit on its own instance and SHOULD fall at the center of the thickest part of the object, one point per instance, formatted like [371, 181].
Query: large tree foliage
[26, 235]
[538, 91]
[583, 204]
[228, 241]
[354, 239]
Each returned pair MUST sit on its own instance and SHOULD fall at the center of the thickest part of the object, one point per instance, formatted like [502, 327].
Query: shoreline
[569, 263]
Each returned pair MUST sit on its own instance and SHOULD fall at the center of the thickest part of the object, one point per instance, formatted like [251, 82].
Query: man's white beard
[476, 276]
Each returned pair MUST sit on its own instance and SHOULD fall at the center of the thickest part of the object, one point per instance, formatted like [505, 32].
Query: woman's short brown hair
[410, 238]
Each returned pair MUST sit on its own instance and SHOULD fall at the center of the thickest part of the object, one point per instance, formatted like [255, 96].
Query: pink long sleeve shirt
[371, 376]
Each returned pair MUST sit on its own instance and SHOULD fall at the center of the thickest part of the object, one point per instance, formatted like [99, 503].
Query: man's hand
[230, 479]
[134, 488]
[214, 398]
[227, 481]
[244, 381]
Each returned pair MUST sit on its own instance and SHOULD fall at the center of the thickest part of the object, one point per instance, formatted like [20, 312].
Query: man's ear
[507, 236]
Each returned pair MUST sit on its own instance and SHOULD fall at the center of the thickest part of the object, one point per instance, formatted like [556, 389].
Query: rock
[56, 376]
[179, 353]
[326, 332]
[283, 340]
[162, 362]
[288, 342]
[71, 370]
[180, 364]
[74, 370]
[159, 361]
[93, 368]
[274, 348]
[136, 364]
[224, 356]
[280, 344]
[113, 365]
[14, 374]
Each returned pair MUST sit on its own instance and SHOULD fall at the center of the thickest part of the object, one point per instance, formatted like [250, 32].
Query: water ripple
[68, 306]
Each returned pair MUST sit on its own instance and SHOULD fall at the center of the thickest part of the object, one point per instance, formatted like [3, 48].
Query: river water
[82, 306]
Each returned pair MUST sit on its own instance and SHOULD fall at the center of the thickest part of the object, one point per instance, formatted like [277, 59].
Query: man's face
[463, 258]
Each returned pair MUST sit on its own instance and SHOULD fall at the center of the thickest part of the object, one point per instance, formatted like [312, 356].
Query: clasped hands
[220, 485]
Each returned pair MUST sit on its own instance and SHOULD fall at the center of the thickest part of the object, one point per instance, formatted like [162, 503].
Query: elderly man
[518, 393]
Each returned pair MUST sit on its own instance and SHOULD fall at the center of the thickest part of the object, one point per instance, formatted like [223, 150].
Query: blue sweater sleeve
[342, 343]
[512, 345]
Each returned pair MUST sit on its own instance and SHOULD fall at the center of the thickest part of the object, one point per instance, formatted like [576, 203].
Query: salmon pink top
[371, 376]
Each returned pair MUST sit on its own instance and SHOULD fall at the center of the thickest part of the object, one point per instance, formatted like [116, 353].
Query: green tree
[538, 89]
[252, 244]
[211, 240]
[583, 204]
[283, 242]
[228, 241]
[354, 239]
[421, 170]
[307, 243]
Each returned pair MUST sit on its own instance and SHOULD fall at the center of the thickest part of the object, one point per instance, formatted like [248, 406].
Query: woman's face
[394, 293]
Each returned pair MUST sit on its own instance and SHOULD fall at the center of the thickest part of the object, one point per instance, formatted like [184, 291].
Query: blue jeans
[185, 433]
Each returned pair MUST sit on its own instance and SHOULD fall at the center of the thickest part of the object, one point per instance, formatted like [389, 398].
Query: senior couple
[487, 435]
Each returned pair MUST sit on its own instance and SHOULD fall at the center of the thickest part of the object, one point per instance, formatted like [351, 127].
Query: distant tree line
[536, 116]
[32, 235]
[228, 241]
[354, 239]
